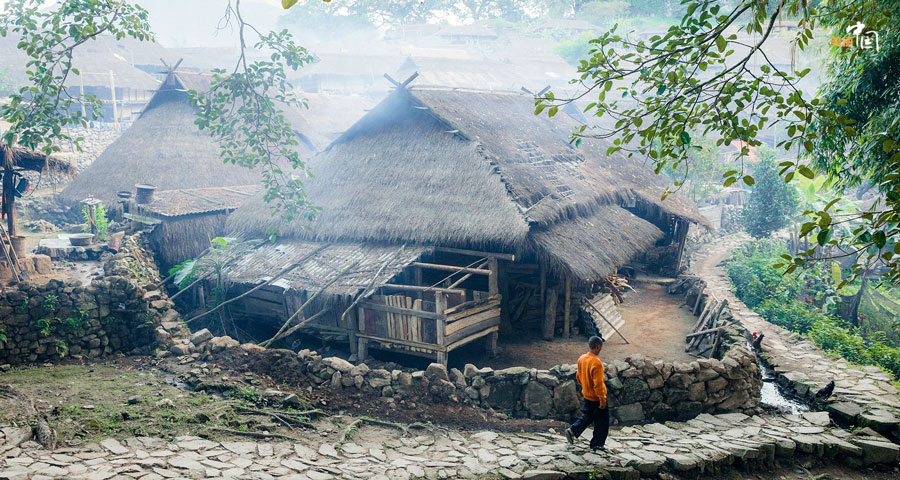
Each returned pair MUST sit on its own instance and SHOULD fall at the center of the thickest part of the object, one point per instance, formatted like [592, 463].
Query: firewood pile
[616, 286]
[706, 335]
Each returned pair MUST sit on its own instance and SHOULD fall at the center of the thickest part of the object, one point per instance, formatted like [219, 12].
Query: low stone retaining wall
[639, 389]
[114, 314]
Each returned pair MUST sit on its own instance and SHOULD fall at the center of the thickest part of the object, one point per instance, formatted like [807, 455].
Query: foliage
[39, 110]
[61, 348]
[101, 220]
[574, 49]
[2, 335]
[43, 327]
[780, 300]
[703, 179]
[50, 303]
[602, 13]
[689, 79]
[771, 203]
[7, 86]
[244, 111]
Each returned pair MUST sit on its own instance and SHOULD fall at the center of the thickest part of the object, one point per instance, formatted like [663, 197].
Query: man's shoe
[598, 449]
[569, 436]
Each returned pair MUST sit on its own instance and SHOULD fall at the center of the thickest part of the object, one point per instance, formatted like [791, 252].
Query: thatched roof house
[463, 174]
[478, 170]
[163, 148]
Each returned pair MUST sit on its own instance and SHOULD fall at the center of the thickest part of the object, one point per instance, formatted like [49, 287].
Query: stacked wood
[615, 286]
[706, 335]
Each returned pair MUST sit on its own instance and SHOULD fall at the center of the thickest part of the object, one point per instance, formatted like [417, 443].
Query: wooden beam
[398, 310]
[493, 276]
[362, 347]
[409, 343]
[549, 325]
[470, 338]
[566, 316]
[451, 268]
[416, 288]
[543, 291]
[440, 304]
[475, 253]
[468, 275]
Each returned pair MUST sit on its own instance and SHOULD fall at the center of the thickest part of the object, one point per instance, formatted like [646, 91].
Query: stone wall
[639, 389]
[59, 319]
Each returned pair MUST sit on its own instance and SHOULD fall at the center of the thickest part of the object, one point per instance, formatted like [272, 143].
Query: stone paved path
[706, 444]
[863, 395]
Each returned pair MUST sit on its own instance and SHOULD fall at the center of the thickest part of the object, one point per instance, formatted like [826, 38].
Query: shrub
[776, 298]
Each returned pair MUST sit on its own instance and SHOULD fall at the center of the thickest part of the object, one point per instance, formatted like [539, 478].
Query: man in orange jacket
[593, 387]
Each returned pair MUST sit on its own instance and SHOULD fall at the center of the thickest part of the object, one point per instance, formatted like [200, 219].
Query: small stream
[775, 398]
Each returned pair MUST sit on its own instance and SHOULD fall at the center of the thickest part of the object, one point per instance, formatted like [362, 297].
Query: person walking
[593, 387]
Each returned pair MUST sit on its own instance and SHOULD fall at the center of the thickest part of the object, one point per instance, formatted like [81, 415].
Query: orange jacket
[591, 377]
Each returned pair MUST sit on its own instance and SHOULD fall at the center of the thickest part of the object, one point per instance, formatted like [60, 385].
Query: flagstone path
[707, 444]
[863, 395]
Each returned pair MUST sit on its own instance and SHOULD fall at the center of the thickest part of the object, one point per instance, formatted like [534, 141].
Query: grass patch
[91, 402]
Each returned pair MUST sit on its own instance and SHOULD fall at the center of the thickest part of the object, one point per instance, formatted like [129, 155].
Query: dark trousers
[600, 418]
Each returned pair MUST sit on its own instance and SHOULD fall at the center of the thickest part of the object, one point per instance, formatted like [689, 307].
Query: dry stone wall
[639, 389]
[114, 314]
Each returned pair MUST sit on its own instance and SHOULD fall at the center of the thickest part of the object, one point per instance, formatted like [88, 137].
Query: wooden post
[440, 304]
[567, 331]
[112, 93]
[683, 226]
[81, 100]
[543, 286]
[492, 344]
[362, 349]
[417, 280]
[493, 278]
[549, 316]
[350, 324]
[9, 197]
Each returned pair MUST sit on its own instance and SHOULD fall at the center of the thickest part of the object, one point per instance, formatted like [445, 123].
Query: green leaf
[879, 239]
[806, 172]
[286, 4]
[661, 90]
[721, 43]
[824, 236]
[749, 180]
[685, 138]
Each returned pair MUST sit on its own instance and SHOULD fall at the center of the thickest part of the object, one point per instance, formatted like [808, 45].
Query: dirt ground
[655, 324]
[819, 472]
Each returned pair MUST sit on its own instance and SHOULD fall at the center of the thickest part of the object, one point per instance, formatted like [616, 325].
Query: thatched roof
[385, 260]
[94, 59]
[163, 147]
[198, 201]
[37, 161]
[475, 169]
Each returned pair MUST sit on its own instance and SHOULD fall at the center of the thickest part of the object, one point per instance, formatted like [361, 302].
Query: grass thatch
[163, 148]
[592, 247]
[37, 162]
[181, 238]
[478, 170]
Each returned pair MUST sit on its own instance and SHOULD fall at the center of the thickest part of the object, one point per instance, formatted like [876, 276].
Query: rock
[821, 419]
[518, 375]
[336, 380]
[845, 412]
[180, 349]
[470, 370]
[565, 397]
[537, 400]
[134, 400]
[714, 386]
[542, 475]
[436, 371]
[877, 452]
[655, 382]
[457, 378]
[697, 392]
[635, 390]
[471, 393]
[706, 374]
[218, 344]
[338, 364]
[881, 421]
[379, 378]
[292, 401]
[113, 446]
[502, 395]
[165, 403]
[201, 336]
[629, 413]
[682, 463]
[477, 381]
[361, 369]
[404, 379]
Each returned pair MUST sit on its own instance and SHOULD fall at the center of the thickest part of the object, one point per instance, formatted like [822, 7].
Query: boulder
[361, 369]
[201, 336]
[338, 364]
[457, 378]
[635, 390]
[518, 375]
[630, 413]
[436, 371]
[537, 400]
[503, 395]
[180, 349]
[379, 378]
[697, 392]
[715, 385]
